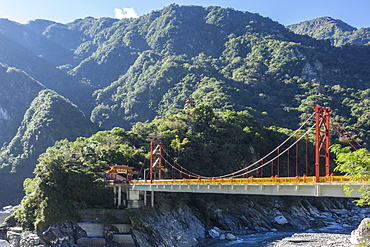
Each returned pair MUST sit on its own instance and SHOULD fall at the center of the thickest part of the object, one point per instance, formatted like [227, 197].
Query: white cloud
[125, 13]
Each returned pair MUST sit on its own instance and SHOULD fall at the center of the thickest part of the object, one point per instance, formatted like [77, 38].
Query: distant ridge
[338, 32]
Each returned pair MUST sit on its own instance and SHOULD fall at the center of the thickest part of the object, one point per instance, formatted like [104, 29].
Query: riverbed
[333, 235]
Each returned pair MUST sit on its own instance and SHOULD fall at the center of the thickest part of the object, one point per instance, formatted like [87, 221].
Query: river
[332, 235]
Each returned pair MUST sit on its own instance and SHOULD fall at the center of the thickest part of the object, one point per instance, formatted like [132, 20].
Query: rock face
[63, 234]
[362, 233]
[186, 222]
[4, 243]
[13, 238]
[167, 227]
[29, 239]
[193, 220]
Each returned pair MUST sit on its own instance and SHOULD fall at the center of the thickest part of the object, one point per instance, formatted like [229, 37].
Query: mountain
[68, 80]
[338, 32]
[50, 117]
[17, 90]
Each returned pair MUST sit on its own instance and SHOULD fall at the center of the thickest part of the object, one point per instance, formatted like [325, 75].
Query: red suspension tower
[322, 139]
[155, 159]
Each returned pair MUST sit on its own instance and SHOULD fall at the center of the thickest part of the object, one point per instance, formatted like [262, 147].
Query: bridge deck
[330, 186]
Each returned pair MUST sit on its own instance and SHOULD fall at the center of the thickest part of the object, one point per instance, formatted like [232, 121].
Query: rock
[3, 231]
[3, 216]
[222, 237]
[63, 234]
[226, 220]
[8, 209]
[362, 233]
[340, 211]
[231, 237]
[217, 229]
[213, 233]
[109, 231]
[29, 239]
[4, 243]
[176, 227]
[326, 216]
[13, 238]
[261, 229]
[281, 220]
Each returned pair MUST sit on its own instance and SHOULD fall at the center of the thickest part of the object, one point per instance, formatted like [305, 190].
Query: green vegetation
[355, 164]
[66, 180]
[208, 142]
[338, 32]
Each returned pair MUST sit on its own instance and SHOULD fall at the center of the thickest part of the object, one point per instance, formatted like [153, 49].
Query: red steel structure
[322, 142]
[155, 159]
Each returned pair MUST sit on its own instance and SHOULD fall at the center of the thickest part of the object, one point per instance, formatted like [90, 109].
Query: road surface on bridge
[329, 186]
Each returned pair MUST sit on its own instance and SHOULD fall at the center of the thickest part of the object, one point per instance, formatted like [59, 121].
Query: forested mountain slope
[338, 32]
[17, 90]
[119, 72]
[49, 118]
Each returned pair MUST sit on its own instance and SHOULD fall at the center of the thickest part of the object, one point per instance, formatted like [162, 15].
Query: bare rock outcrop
[362, 233]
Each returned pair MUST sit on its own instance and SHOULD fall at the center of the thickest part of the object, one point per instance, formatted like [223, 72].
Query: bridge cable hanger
[322, 142]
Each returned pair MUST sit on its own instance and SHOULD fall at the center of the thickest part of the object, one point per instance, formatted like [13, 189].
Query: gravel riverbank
[313, 240]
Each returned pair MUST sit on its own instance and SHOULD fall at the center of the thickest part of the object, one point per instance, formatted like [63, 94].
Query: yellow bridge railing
[310, 179]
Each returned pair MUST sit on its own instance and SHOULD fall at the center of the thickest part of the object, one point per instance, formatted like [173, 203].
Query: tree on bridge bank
[355, 164]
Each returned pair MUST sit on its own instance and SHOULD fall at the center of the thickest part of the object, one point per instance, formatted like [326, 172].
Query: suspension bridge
[281, 172]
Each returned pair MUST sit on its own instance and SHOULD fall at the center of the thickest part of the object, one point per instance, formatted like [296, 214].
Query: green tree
[355, 164]
[66, 178]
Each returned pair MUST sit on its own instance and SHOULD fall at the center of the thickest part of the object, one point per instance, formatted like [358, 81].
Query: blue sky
[353, 12]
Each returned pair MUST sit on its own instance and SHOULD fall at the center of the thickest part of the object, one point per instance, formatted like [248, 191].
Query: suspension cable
[353, 139]
[183, 168]
[245, 170]
[344, 137]
[253, 164]
[280, 153]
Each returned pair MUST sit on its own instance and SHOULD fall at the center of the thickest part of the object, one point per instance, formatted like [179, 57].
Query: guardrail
[283, 180]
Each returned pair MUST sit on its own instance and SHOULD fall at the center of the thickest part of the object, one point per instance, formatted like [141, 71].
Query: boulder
[13, 238]
[362, 233]
[109, 231]
[231, 237]
[281, 220]
[4, 243]
[63, 234]
[214, 233]
[29, 239]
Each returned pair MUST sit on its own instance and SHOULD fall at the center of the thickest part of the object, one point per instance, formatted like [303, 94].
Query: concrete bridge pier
[151, 198]
[134, 199]
[120, 194]
[126, 197]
